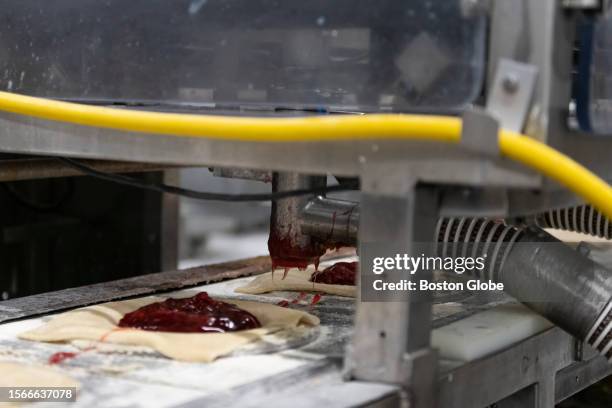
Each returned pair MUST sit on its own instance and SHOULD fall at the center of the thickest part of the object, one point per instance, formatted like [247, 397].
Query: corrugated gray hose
[546, 275]
[583, 218]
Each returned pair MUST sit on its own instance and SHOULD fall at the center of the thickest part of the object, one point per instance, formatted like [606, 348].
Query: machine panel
[355, 55]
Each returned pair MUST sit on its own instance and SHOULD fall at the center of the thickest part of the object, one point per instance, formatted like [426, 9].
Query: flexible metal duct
[548, 276]
[583, 218]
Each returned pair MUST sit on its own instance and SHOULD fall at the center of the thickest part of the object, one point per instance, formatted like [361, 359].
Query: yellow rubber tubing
[515, 146]
[554, 164]
[303, 129]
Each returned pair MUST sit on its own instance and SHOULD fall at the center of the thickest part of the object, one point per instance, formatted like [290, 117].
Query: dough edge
[99, 323]
[296, 280]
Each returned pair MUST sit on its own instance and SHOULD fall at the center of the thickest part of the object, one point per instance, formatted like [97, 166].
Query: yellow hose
[306, 129]
[559, 167]
[515, 146]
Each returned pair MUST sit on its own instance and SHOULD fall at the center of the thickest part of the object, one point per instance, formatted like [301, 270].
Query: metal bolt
[583, 248]
[526, 364]
[511, 83]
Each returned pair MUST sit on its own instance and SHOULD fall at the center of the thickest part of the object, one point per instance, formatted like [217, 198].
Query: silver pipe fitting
[331, 221]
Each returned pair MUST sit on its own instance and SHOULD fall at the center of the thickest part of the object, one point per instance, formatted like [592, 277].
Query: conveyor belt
[113, 377]
[141, 377]
[45, 303]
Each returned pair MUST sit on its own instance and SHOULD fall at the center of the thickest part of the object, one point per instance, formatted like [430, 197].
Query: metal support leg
[392, 337]
[539, 395]
[546, 392]
[170, 224]
[525, 398]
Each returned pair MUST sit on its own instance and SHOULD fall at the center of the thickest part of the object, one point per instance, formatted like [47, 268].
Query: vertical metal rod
[170, 224]
[288, 246]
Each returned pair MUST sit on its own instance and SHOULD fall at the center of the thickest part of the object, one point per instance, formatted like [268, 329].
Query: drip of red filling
[199, 313]
[283, 303]
[299, 298]
[61, 356]
[286, 255]
[341, 273]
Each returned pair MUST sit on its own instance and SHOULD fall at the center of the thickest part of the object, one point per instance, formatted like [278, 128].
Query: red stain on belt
[316, 299]
[60, 357]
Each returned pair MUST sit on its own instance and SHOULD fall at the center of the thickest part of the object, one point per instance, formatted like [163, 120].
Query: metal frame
[432, 162]
[391, 341]
[539, 372]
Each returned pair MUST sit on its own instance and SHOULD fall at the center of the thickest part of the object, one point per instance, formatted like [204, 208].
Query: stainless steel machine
[536, 67]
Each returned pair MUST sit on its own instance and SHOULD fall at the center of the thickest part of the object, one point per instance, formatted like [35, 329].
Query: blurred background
[212, 231]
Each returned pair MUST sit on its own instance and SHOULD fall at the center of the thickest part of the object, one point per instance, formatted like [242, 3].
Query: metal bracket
[244, 174]
[467, 202]
[510, 95]
[480, 132]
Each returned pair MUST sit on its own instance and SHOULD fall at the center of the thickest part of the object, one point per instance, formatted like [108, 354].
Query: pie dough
[295, 280]
[15, 375]
[99, 323]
